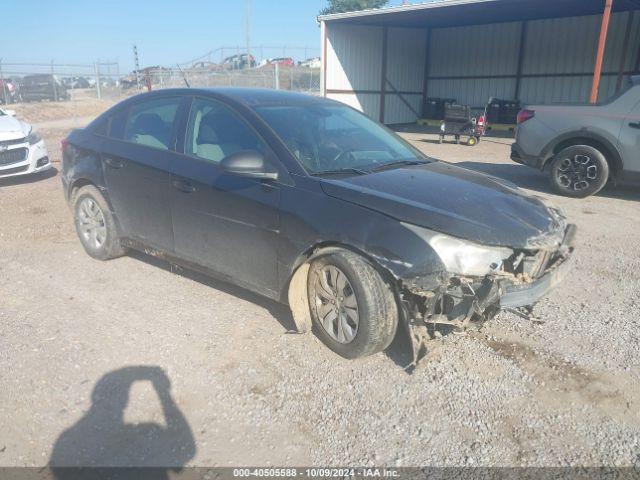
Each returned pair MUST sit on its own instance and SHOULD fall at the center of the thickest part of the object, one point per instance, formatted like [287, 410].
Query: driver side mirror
[247, 163]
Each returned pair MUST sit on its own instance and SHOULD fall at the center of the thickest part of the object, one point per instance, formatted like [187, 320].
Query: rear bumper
[518, 156]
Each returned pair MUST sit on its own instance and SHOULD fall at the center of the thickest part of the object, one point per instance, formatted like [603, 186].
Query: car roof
[250, 97]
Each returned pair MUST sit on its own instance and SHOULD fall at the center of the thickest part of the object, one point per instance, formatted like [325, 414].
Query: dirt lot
[244, 392]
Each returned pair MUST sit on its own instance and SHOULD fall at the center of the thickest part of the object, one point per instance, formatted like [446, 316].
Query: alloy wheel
[577, 173]
[92, 223]
[336, 304]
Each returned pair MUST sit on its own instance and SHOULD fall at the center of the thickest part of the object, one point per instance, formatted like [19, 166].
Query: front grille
[16, 141]
[10, 171]
[13, 156]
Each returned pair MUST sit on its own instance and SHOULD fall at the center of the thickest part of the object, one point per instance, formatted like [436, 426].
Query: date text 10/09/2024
[316, 472]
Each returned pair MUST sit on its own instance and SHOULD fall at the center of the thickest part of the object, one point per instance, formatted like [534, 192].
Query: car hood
[12, 128]
[455, 201]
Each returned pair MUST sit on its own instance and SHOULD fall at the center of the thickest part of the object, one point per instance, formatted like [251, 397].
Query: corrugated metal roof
[398, 8]
[447, 13]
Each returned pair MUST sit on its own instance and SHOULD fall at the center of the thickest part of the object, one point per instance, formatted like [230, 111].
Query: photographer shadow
[102, 443]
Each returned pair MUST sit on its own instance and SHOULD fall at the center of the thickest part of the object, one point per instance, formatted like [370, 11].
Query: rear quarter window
[117, 124]
[101, 127]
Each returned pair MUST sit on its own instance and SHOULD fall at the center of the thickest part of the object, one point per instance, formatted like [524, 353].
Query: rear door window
[214, 132]
[151, 122]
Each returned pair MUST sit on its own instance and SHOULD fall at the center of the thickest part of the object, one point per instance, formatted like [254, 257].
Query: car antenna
[184, 77]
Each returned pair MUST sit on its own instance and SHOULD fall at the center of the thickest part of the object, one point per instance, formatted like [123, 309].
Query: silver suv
[583, 146]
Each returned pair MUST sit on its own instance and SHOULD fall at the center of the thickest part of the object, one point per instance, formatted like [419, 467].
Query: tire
[579, 171]
[90, 207]
[472, 142]
[375, 306]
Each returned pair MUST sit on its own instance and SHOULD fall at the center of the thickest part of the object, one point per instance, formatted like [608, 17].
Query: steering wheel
[343, 153]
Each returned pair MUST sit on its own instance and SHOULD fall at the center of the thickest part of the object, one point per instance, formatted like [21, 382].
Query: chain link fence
[293, 78]
[21, 83]
[49, 94]
[29, 82]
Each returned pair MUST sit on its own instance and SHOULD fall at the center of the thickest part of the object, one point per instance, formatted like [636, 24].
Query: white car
[22, 151]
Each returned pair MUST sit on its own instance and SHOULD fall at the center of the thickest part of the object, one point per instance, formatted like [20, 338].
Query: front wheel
[353, 310]
[579, 171]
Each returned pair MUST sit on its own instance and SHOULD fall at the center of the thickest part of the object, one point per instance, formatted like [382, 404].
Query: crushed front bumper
[525, 295]
[479, 300]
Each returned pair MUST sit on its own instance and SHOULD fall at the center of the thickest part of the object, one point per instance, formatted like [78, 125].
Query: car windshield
[330, 139]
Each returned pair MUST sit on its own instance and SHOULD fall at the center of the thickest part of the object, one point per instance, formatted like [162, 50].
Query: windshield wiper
[339, 171]
[397, 164]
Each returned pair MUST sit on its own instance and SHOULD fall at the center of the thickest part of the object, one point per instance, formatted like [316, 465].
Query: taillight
[524, 115]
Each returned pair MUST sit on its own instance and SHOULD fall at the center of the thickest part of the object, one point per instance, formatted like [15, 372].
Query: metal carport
[386, 62]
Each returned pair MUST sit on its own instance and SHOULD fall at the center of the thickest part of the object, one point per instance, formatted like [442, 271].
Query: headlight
[33, 138]
[462, 256]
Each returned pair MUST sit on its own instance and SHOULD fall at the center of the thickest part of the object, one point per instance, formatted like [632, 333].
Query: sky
[165, 31]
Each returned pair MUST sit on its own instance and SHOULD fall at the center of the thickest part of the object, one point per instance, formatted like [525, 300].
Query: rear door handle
[114, 162]
[183, 186]
[635, 125]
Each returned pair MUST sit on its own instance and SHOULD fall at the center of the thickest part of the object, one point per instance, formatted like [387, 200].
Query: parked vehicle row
[33, 88]
[311, 203]
[78, 82]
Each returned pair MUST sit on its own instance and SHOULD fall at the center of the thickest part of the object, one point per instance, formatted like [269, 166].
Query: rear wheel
[353, 309]
[472, 142]
[95, 224]
[579, 171]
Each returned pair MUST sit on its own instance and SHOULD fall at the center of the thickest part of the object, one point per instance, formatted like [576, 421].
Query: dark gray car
[583, 146]
[311, 203]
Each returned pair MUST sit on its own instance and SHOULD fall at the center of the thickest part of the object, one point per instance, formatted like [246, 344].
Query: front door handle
[114, 162]
[183, 186]
[635, 125]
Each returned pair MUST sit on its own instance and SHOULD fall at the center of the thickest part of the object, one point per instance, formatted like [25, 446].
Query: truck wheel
[579, 171]
[353, 310]
[472, 142]
[95, 224]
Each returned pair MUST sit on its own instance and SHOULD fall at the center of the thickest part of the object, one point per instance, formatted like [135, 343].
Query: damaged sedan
[311, 203]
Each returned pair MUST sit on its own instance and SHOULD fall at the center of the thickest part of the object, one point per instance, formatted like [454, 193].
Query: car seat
[149, 129]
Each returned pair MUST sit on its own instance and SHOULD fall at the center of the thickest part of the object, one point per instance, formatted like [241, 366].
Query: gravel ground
[244, 392]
